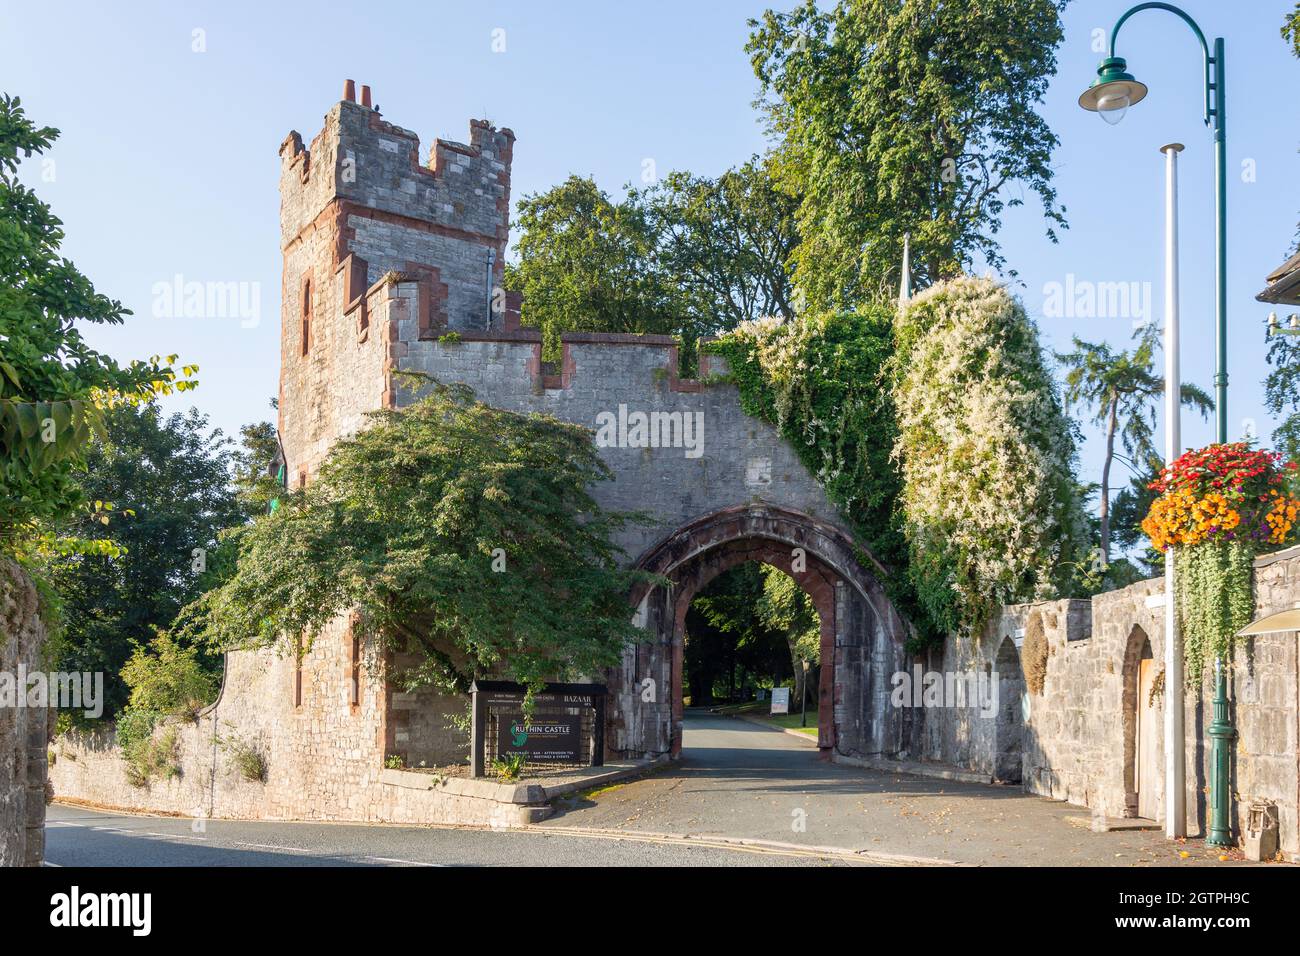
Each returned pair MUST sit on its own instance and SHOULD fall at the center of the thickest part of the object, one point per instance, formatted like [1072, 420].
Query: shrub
[166, 678]
[246, 758]
[508, 768]
[147, 758]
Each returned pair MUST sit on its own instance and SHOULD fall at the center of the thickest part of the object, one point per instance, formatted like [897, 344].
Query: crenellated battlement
[357, 207]
[361, 158]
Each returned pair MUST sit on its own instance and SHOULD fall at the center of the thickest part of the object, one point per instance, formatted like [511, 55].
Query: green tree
[725, 243]
[255, 467]
[170, 479]
[1122, 391]
[51, 382]
[689, 256]
[787, 609]
[464, 533]
[1282, 386]
[906, 116]
[1282, 392]
[727, 635]
[1131, 505]
[589, 263]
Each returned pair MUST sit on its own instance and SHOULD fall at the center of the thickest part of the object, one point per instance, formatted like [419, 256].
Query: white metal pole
[1175, 738]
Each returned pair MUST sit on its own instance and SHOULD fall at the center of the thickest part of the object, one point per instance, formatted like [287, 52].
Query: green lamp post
[1110, 95]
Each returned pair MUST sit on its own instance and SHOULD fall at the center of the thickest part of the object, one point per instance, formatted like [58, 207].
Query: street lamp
[1110, 95]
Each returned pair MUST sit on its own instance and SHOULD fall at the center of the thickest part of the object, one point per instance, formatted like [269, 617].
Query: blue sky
[168, 159]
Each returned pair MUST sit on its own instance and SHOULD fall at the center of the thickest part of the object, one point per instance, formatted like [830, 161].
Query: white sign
[780, 700]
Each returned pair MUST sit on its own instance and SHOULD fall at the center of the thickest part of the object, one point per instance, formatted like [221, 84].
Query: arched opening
[752, 649]
[861, 635]
[1009, 729]
[1142, 729]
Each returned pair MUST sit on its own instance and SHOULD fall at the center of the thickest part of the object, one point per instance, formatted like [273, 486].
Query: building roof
[1283, 283]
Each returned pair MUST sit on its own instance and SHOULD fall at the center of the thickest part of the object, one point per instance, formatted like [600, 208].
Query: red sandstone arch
[840, 576]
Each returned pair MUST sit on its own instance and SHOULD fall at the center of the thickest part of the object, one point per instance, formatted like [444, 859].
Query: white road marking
[387, 859]
[270, 846]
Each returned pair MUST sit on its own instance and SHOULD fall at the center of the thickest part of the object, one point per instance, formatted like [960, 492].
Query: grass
[759, 708]
[791, 722]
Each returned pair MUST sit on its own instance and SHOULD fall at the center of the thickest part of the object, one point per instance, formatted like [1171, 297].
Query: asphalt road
[740, 779]
[79, 837]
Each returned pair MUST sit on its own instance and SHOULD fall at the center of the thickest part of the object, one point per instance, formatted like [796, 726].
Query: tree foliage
[1122, 390]
[725, 242]
[587, 262]
[1282, 392]
[464, 533]
[906, 116]
[688, 256]
[51, 382]
[169, 480]
[730, 638]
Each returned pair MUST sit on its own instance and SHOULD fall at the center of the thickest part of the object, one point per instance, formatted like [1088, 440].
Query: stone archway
[862, 636]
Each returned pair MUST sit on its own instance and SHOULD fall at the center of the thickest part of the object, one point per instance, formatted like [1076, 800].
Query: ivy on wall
[821, 381]
[939, 434]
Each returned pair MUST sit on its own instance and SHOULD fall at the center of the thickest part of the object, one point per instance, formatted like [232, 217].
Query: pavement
[737, 779]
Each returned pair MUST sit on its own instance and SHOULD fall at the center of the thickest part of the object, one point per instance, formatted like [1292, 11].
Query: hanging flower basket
[1219, 506]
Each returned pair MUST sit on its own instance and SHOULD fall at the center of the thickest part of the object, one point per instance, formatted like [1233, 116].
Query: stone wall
[1078, 732]
[24, 731]
[323, 752]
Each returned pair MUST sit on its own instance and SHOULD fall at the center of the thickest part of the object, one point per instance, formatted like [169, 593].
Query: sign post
[780, 700]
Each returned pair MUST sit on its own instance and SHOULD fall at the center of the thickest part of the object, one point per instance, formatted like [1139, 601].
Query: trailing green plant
[991, 510]
[394, 762]
[1218, 507]
[820, 379]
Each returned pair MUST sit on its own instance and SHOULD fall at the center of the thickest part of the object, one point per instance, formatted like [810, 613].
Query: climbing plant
[991, 511]
[1218, 506]
[820, 380]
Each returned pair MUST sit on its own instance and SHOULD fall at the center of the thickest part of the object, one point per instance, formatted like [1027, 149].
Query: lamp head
[1113, 91]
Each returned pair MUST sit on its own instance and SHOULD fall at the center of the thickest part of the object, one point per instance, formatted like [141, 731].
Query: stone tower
[380, 251]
